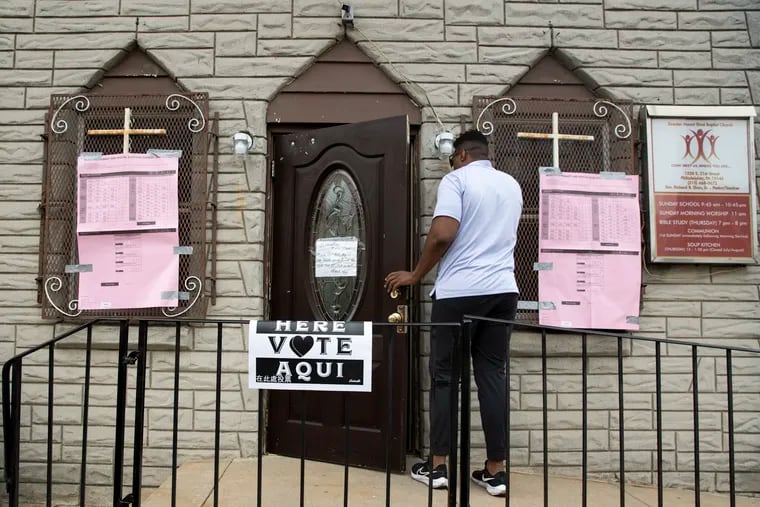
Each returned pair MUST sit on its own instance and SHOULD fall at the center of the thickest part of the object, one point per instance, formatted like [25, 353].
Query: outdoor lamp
[444, 143]
[242, 143]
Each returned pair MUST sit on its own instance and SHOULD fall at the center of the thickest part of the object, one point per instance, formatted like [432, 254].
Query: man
[473, 236]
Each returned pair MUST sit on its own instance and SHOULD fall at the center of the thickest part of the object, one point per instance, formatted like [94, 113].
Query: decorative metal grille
[612, 149]
[185, 119]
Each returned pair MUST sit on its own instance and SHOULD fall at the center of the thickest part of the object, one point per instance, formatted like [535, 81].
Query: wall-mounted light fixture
[242, 143]
[444, 144]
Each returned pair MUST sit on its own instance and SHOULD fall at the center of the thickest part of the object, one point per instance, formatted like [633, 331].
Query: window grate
[185, 119]
[612, 149]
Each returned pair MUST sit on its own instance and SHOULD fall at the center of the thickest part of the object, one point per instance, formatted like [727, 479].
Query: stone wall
[703, 52]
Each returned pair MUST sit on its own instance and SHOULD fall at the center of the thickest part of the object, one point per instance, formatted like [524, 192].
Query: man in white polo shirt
[473, 236]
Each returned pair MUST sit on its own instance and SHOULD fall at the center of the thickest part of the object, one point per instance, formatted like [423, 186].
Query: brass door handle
[394, 294]
[399, 317]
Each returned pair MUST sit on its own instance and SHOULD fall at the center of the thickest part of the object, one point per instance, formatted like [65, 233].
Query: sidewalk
[324, 488]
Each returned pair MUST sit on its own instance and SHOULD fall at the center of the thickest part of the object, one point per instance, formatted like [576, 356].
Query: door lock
[399, 316]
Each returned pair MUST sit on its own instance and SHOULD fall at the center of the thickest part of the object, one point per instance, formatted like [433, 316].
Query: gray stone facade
[690, 52]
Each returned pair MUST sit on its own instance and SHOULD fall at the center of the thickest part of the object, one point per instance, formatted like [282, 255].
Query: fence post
[456, 360]
[464, 468]
[507, 413]
[142, 358]
[121, 406]
[12, 427]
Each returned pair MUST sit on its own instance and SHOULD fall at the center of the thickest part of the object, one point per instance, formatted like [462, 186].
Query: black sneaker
[496, 485]
[437, 476]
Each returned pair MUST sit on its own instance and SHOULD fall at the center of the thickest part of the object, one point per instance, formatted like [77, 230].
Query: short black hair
[473, 142]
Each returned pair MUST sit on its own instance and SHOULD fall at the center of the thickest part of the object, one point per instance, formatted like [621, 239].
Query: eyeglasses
[451, 157]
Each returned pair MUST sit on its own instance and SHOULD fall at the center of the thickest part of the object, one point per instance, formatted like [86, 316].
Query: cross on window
[555, 136]
[126, 131]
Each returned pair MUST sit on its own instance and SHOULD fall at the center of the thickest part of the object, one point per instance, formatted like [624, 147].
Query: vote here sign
[310, 355]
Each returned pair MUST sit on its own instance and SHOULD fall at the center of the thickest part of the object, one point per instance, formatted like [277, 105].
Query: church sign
[701, 184]
[310, 355]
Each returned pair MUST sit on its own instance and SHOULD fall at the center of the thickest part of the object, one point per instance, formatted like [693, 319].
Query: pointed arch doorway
[343, 151]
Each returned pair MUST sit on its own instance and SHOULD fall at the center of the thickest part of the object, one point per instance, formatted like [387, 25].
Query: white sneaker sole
[440, 483]
[500, 490]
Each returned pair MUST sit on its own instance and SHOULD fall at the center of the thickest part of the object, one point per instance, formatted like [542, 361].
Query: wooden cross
[126, 131]
[555, 136]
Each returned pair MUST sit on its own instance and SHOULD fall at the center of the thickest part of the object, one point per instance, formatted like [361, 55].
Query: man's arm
[442, 232]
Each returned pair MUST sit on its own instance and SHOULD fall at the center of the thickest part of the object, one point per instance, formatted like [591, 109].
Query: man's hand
[399, 279]
[442, 233]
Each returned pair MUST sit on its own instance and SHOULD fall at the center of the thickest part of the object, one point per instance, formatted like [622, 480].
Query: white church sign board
[701, 184]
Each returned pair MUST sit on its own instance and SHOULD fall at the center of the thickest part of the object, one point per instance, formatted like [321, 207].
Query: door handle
[395, 318]
[398, 317]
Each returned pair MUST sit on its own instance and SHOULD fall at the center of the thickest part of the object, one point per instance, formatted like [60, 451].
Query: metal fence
[628, 356]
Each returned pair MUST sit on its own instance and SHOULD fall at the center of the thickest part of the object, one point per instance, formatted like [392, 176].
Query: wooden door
[349, 181]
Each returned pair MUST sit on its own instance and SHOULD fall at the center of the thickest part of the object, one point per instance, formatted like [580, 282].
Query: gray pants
[489, 352]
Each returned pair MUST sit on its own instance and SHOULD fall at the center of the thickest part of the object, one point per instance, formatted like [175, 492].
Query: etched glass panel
[337, 247]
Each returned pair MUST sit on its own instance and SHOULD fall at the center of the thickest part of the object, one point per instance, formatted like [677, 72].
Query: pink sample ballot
[127, 217]
[589, 264]
[127, 192]
[129, 270]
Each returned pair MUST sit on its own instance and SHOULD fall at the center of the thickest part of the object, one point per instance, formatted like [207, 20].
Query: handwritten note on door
[335, 257]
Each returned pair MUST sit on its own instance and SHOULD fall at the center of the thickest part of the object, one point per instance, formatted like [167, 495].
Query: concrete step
[323, 486]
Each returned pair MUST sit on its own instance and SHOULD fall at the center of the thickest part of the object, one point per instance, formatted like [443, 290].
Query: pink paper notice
[134, 270]
[127, 217]
[127, 192]
[589, 251]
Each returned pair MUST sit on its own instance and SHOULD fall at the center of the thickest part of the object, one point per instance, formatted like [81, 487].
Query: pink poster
[127, 193]
[589, 269]
[129, 270]
[127, 217]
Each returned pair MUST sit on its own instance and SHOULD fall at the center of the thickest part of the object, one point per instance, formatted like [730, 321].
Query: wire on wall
[404, 79]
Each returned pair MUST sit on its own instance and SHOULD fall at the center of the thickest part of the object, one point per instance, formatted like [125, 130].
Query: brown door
[349, 181]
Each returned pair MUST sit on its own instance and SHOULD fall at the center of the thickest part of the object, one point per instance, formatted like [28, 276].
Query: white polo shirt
[487, 203]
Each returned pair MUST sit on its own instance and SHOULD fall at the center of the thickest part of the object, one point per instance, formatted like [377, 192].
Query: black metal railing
[131, 364]
[694, 349]
[12, 382]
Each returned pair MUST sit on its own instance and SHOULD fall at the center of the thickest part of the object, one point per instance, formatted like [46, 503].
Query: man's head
[468, 147]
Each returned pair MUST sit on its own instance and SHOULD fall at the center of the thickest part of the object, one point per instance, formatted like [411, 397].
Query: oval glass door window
[337, 244]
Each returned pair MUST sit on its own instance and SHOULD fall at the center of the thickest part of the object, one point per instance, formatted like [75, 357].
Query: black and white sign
[310, 355]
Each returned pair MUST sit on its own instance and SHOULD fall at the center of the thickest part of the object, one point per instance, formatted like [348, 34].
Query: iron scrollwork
[81, 104]
[508, 107]
[194, 124]
[622, 131]
[55, 284]
[192, 284]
